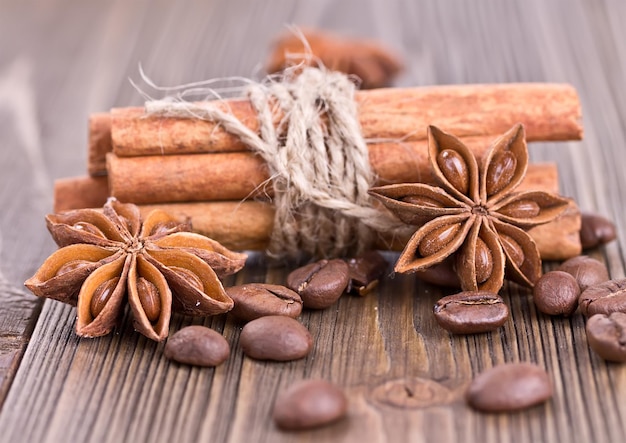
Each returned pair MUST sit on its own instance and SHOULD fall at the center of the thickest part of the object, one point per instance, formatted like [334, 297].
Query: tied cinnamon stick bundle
[548, 112]
[236, 175]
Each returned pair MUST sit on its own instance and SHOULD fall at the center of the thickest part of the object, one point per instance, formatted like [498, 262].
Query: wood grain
[63, 60]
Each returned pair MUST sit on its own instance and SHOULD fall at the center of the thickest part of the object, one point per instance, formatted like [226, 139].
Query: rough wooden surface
[63, 59]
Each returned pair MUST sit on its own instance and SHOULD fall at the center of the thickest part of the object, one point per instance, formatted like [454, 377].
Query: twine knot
[317, 159]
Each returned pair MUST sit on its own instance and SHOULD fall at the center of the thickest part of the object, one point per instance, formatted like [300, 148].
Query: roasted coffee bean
[604, 298]
[509, 387]
[275, 337]
[556, 293]
[309, 404]
[471, 312]
[586, 270]
[197, 345]
[320, 284]
[255, 300]
[596, 230]
[606, 335]
[365, 271]
[441, 274]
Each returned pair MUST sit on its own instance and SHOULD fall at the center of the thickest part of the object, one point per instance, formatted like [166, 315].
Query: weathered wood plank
[404, 375]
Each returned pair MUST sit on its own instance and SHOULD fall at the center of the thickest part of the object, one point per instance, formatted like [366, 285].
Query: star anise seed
[474, 216]
[111, 256]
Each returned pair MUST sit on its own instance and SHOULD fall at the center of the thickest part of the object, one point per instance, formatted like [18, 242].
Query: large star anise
[474, 216]
[110, 256]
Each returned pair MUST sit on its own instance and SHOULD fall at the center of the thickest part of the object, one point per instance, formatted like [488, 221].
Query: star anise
[110, 256]
[474, 217]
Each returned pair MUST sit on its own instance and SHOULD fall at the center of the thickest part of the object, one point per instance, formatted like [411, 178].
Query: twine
[317, 159]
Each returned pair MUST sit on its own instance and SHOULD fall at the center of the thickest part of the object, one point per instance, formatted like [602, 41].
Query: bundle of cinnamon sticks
[195, 169]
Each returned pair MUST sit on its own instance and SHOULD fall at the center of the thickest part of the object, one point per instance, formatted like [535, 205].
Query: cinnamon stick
[80, 192]
[560, 239]
[248, 224]
[241, 175]
[99, 143]
[548, 111]
[92, 192]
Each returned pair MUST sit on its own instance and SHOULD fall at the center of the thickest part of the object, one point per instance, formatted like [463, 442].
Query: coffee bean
[256, 300]
[441, 274]
[596, 230]
[309, 404]
[607, 335]
[320, 284]
[604, 298]
[471, 312]
[556, 293]
[586, 270]
[197, 345]
[365, 271]
[509, 387]
[275, 337]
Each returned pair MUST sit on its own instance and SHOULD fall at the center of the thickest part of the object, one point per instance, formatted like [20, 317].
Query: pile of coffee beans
[583, 283]
[272, 331]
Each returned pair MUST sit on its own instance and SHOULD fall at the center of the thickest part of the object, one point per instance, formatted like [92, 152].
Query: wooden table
[60, 60]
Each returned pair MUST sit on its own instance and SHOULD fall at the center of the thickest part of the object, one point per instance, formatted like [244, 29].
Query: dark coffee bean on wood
[320, 284]
[197, 345]
[441, 274]
[509, 387]
[586, 270]
[309, 404]
[365, 271]
[471, 312]
[596, 230]
[606, 335]
[556, 293]
[255, 300]
[275, 337]
[604, 298]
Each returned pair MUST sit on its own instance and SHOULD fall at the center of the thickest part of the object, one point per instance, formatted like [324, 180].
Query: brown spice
[109, 255]
[374, 65]
[474, 215]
